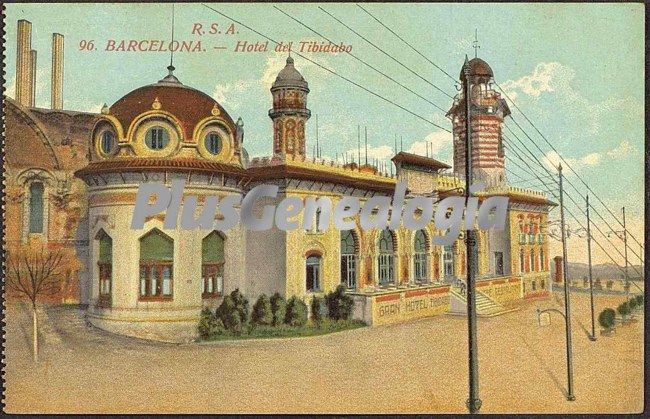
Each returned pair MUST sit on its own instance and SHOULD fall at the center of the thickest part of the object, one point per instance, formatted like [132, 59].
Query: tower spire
[171, 49]
[475, 44]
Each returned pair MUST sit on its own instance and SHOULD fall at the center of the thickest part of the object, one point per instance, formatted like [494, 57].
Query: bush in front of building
[227, 312]
[296, 314]
[339, 304]
[278, 308]
[209, 324]
[632, 303]
[262, 314]
[606, 318]
[639, 300]
[241, 304]
[318, 310]
[623, 309]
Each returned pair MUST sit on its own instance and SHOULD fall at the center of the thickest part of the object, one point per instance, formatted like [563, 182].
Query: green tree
[606, 318]
[296, 312]
[278, 308]
[339, 304]
[623, 309]
[209, 324]
[262, 313]
[241, 304]
[317, 310]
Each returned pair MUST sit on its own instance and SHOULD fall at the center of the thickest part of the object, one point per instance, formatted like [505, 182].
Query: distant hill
[602, 271]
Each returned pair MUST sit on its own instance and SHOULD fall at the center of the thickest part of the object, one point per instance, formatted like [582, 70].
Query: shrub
[623, 309]
[230, 315]
[262, 314]
[241, 304]
[632, 303]
[209, 324]
[278, 309]
[318, 310]
[296, 312]
[606, 318]
[639, 300]
[339, 304]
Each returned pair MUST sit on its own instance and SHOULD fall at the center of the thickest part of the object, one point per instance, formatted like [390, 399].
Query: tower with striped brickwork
[488, 111]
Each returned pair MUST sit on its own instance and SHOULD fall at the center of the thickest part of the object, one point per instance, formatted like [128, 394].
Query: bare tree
[34, 273]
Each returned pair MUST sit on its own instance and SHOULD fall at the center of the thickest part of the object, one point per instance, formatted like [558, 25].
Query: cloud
[227, 94]
[622, 150]
[546, 78]
[552, 159]
[440, 145]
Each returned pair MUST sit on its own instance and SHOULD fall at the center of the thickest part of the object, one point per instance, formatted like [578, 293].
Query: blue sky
[576, 70]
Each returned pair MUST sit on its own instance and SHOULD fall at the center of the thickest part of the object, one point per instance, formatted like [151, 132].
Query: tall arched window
[36, 192]
[348, 259]
[448, 261]
[542, 265]
[105, 265]
[313, 270]
[156, 265]
[521, 261]
[420, 258]
[531, 261]
[386, 259]
[212, 262]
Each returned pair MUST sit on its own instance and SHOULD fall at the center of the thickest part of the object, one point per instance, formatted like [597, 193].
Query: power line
[534, 160]
[386, 54]
[403, 40]
[362, 61]
[568, 181]
[331, 71]
[563, 160]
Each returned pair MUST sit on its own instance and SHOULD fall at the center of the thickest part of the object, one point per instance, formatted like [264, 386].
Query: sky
[576, 71]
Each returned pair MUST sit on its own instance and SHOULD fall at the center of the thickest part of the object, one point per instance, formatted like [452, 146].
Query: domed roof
[289, 77]
[477, 67]
[188, 105]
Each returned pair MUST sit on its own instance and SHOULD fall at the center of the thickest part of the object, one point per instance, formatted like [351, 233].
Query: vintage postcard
[324, 208]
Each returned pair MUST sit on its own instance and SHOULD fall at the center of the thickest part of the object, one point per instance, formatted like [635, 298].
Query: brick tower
[289, 113]
[488, 112]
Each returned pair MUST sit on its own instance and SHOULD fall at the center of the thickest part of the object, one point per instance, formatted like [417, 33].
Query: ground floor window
[349, 270]
[386, 259]
[498, 263]
[156, 280]
[420, 258]
[212, 279]
[448, 261]
[313, 269]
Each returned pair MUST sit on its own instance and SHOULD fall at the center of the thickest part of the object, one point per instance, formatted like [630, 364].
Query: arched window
[386, 259]
[531, 261]
[36, 207]
[105, 264]
[156, 265]
[348, 259]
[521, 261]
[448, 261]
[542, 264]
[313, 269]
[420, 258]
[212, 261]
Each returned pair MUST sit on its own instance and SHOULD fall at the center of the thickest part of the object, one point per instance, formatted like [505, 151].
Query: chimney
[23, 66]
[57, 71]
[559, 277]
[32, 76]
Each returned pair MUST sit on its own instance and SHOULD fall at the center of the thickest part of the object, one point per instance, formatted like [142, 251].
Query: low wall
[502, 290]
[399, 305]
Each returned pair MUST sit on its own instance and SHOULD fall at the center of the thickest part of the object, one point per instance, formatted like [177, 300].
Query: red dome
[188, 105]
[477, 67]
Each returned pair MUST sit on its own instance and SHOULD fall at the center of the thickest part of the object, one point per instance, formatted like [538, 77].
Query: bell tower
[488, 111]
[289, 113]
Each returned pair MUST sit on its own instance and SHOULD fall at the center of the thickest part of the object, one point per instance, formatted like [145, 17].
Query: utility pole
[473, 402]
[358, 145]
[567, 297]
[591, 283]
[627, 278]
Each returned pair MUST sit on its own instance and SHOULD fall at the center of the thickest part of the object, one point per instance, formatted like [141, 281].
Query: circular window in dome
[157, 138]
[108, 142]
[213, 143]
